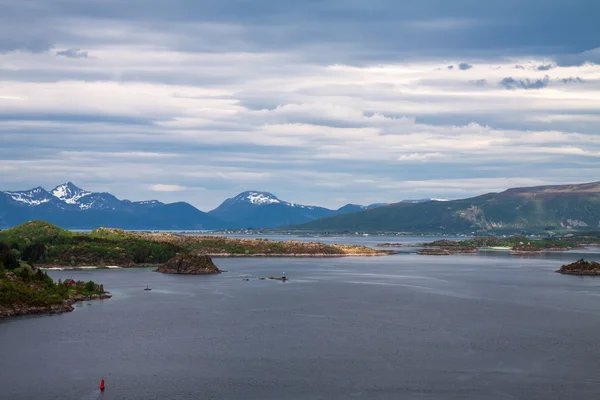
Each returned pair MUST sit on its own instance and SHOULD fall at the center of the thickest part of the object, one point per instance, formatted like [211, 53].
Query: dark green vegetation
[531, 210]
[46, 244]
[569, 241]
[581, 267]
[24, 288]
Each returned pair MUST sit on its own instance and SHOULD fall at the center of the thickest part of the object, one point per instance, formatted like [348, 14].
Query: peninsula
[28, 290]
[48, 245]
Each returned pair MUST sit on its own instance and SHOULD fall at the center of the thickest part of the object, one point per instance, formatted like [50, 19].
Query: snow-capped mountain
[72, 207]
[32, 197]
[255, 209]
[69, 193]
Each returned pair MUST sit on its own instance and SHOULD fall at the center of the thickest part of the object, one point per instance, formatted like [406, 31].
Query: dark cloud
[546, 67]
[591, 56]
[511, 83]
[464, 66]
[479, 82]
[572, 80]
[450, 66]
[72, 53]
[356, 31]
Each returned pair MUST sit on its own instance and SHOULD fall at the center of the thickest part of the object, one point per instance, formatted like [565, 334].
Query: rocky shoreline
[17, 310]
[299, 255]
[581, 267]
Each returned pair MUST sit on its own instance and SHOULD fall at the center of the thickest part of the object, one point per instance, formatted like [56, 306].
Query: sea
[477, 326]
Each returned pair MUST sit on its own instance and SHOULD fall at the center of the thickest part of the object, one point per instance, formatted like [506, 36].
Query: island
[189, 264]
[49, 246]
[446, 251]
[515, 245]
[580, 267]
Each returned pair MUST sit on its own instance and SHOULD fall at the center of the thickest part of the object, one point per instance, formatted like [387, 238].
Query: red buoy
[102, 385]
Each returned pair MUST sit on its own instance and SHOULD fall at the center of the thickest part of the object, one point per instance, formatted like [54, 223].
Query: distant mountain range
[539, 208]
[72, 207]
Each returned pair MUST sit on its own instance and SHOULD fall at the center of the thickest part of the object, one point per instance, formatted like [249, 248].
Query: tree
[8, 257]
[90, 286]
[15, 246]
[34, 252]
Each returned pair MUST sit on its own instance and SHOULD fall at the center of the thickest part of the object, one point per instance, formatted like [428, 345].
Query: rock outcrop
[581, 267]
[189, 264]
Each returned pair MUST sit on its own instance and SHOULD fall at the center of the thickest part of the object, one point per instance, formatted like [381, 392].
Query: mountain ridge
[70, 206]
[550, 207]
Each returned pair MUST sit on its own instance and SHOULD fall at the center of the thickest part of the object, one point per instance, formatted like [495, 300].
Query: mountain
[254, 209]
[421, 200]
[72, 207]
[558, 207]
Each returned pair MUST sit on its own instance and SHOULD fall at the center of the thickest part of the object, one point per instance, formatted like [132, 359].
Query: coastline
[55, 267]
[19, 310]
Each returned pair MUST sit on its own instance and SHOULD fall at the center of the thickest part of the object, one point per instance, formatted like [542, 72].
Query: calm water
[487, 326]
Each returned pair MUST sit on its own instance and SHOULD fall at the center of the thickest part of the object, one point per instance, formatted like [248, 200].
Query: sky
[319, 102]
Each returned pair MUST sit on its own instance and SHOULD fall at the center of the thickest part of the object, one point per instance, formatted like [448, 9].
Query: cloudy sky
[320, 102]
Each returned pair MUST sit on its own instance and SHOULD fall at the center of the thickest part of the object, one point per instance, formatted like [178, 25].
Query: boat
[102, 385]
[147, 288]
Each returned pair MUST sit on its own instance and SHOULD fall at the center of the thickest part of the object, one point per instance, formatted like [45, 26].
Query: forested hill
[558, 208]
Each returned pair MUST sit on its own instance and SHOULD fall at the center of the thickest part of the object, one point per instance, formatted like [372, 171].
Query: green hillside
[543, 208]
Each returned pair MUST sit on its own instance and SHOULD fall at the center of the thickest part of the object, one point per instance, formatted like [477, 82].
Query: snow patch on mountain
[71, 194]
[262, 198]
[33, 197]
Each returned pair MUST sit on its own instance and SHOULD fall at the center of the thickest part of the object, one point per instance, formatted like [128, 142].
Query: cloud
[310, 100]
[479, 82]
[511, 83]
[167, 188]
[464, 66]
[72, 53]
[588, 57]
[545, 67]
[419, 156]
[572, 80]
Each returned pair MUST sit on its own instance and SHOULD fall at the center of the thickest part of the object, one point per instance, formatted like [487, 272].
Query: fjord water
[406, 326]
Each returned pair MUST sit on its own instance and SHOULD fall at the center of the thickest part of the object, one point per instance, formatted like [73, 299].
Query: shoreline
[20, 310]
[54, 267]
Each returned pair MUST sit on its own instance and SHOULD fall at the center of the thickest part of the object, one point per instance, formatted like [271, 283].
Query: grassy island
[48, 245]
[523, 243]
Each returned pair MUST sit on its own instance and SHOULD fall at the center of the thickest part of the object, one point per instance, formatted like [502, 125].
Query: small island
[516, 245]
[446, 251]
[580, 267]
[525, 248]
[189, 264]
